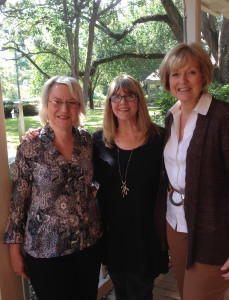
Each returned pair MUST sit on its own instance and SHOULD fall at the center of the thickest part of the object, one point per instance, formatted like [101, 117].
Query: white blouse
[175, 158]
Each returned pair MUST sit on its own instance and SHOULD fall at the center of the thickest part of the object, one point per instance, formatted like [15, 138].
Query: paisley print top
[53, 210]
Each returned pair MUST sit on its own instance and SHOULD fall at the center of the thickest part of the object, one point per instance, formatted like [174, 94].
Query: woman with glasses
[53, 211]
[127, 161]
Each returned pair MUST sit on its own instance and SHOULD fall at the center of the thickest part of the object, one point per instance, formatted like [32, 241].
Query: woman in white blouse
[195, 193]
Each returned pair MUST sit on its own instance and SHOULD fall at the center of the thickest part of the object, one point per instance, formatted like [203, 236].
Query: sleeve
[22, 184]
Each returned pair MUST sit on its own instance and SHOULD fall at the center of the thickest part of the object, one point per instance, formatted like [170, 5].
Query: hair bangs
[124, 84]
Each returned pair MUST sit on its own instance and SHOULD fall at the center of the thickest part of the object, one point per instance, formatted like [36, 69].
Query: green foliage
[94, 120]
[219, 91]
[44, 32]
[7, 110]
[9, 79]
[30, 110]
[164, 101]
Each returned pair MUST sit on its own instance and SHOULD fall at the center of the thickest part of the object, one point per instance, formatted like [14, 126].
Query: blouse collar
[202, 106]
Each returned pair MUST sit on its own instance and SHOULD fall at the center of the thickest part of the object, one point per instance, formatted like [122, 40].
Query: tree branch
[109, 7]
[34, 53]
[96, 63]
[143, 19]
[28, 57]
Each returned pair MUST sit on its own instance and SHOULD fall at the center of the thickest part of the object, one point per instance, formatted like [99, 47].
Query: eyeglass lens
[118, 98]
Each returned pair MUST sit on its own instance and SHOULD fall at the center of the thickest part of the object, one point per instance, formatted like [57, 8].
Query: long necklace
[124, 188]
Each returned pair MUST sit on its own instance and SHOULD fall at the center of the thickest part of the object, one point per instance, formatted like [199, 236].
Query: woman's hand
[225, 268]
[31, 134]
[17, 261]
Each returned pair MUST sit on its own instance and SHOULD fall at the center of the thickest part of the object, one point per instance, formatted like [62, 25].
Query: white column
[193, 20]
[21, 123]
[10, 284]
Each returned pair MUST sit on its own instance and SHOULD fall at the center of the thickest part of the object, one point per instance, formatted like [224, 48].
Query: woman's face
[62, 107]
[125, 110]
[186, 83]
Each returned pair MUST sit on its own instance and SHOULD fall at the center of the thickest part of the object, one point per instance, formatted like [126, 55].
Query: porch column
[10, 284]
[192, 23]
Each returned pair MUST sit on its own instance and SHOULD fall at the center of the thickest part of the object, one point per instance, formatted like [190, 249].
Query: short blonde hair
[178, 56]
[110, 122]
[75, 90]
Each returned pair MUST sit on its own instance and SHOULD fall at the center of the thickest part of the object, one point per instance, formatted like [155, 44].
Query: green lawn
[92, 122]
[12, 129]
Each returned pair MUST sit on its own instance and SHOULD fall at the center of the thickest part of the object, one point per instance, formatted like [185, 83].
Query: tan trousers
[201, 281]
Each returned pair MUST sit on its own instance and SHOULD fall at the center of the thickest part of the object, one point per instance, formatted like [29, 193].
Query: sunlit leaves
[47, 31]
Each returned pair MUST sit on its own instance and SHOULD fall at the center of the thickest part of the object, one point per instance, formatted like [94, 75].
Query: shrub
[7, 110]
[30, 109]
[219, 91]
[165, 100]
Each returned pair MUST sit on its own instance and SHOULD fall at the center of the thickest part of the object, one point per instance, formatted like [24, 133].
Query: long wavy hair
[110, 122]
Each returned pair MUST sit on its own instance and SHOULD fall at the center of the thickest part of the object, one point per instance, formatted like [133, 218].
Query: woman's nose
[64, 106]
[183, 78]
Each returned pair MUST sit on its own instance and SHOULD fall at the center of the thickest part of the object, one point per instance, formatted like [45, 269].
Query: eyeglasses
[70, 104]
[118, 98]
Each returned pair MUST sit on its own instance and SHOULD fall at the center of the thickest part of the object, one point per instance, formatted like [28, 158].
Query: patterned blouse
[53, 210]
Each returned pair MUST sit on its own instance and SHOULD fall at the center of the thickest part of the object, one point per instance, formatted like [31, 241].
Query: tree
[217, 38]
[84, 36]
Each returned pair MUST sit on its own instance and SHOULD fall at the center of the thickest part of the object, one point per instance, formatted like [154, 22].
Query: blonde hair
[178, 56]
[110, 122]
[75, 90]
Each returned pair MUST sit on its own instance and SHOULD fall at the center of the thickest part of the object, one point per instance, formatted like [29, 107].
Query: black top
[129, 222]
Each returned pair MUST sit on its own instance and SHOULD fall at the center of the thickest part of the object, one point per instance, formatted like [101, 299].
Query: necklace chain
[124, 188]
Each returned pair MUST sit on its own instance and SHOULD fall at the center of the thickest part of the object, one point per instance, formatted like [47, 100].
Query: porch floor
[165, 288]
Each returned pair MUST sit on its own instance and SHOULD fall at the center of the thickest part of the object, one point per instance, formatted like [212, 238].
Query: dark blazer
[206, 201]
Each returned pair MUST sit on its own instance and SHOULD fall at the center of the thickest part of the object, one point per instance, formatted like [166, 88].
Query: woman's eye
[174, 74]
[57, 102]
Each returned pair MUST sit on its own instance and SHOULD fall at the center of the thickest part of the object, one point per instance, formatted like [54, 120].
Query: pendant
[124, 189]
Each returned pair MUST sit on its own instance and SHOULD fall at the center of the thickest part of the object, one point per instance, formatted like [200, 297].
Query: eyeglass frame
[59, 104]
[124, 97]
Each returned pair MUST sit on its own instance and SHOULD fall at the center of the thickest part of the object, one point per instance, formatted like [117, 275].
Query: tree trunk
[69, 37]
[218, 44]
[175, 19]
[90, 96]
[86, 78]
[210, 34]
[223, 61]
[77, 55]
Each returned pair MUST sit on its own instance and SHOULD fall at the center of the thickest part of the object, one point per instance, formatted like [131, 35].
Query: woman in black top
[127, 160]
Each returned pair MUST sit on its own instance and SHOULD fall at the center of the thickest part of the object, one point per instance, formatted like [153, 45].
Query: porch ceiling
[216, 7]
